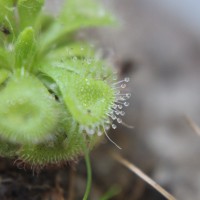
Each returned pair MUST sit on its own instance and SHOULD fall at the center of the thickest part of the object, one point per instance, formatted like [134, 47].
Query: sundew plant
[57, 97]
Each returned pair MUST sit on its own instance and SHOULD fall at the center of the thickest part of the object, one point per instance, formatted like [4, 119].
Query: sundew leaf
[87, 99]
[28, 113]
[29, 11]
[54, 91]
[89, 67]
[75, 58]
[64, 147]
[25, 49]
[80, 59]
[79, 50]
[52, 153]
[76, 14]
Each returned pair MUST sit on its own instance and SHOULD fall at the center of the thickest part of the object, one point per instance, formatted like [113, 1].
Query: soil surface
[17, 182]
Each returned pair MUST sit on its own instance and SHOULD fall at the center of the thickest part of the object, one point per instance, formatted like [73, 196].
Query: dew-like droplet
[128, 95]
[122, 98]
[123, 86]
[91, 132]
[119, 120]
[120, 106]
[99, 133]
[122, 113]
[114, 126]
[126, 104]
[107, 121]
[117, 112]
[127, 79]
[113, 117]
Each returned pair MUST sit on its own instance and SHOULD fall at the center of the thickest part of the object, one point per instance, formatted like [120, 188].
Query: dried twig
[141, 174]
[193, 125]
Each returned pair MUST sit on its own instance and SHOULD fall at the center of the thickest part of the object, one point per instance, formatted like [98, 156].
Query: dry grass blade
[193, 125]
[141, 174]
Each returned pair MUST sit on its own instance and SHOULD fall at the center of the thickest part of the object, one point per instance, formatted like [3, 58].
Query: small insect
[5, 30]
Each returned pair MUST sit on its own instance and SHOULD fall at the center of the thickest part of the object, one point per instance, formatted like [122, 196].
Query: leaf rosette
[55, 93]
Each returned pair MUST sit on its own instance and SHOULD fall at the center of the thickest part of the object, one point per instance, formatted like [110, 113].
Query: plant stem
[113, 191]
[89, 173]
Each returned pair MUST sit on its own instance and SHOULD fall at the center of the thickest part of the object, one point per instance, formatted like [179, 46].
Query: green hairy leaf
[57, 95]
[28, 117]
[88, 100]
[28, 11]
[25, 48]
[76, 14]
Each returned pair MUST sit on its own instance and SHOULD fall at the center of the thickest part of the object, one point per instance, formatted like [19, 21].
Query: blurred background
[157, 45]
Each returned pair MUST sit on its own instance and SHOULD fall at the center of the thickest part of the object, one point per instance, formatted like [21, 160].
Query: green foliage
[25, 49]
[85, 13]
[55, 94]
[28, 112]
[76, 14]
[5, 58]
[29, 11]
[8, 149]
[6, 15]
[88, 100]
[4, 74]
